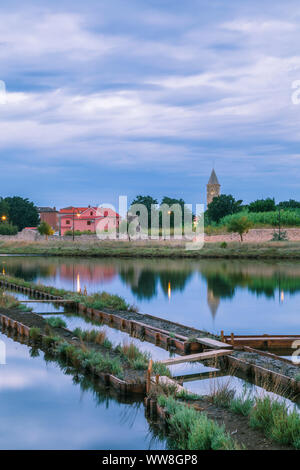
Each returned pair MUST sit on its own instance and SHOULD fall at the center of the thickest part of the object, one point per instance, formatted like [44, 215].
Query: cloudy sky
[109, 97]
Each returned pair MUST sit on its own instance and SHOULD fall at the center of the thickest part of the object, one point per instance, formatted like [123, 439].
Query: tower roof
[213, 178]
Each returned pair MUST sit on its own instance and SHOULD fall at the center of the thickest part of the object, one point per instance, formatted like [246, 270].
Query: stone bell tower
[212, 188]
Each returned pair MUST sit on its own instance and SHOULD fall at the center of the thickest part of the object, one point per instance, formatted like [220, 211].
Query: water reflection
[45, 405]
[196, 292]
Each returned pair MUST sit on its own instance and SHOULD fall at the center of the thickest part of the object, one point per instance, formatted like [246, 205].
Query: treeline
[155, 211]
[226, 212]
[17, 213]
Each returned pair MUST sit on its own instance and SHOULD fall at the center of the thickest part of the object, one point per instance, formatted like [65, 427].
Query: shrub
[262, 205]
[279, 236]
[8, 229]
[34, 333]
[288, 218]
[221, 206]
[161, 369]
[8, 301]
[56, 322]
[45, 229]
[191, 430]
[240, 225]
[276, 421]
[242, 405]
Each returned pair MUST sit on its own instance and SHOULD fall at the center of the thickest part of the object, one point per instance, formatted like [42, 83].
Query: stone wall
[254, 236]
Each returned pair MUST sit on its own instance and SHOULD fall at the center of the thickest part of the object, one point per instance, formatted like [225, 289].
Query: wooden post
[149, 375]
[222, 336]
[157, 379]
[232, 339]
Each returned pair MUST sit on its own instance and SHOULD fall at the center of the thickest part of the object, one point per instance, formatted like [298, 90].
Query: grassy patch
[56, 322]
[35, 334]
[152, 249]
[278, 423]
[191, 430]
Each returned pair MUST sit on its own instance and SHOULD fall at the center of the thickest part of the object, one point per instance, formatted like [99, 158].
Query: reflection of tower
[212, 188]
[213, 302]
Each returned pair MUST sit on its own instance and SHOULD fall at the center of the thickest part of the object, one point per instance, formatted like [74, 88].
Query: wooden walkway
[263, 341]
[196, 357]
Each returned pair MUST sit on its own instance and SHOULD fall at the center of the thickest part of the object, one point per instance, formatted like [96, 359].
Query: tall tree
[4, 208]
[172, 201]
[222, 205]
[262, 205]
[22, 212]
[146, 201]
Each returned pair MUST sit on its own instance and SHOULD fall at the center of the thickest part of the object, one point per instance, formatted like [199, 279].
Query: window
[105, 213]
[91, 213]
[67, 222]
[88, 222]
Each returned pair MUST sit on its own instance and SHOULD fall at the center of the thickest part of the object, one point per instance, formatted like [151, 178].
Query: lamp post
[78, 215]
[3, 218]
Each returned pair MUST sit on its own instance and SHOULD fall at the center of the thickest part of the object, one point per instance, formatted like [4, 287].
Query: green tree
[222, 205]
[262, 205]
[171, 202]
[290, 204]
[45, 229]
[22, 212]
[8, 229]
[146, 201]
[4, 208]
[240, 225]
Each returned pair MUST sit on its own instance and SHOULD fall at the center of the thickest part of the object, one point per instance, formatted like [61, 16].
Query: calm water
[243, 297]
[42, 408]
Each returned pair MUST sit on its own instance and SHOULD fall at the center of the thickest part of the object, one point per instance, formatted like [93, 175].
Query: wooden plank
[196, 357]
[201, 376]
[213, 343]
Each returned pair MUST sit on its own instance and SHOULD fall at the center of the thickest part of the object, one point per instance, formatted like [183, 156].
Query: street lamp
[78, 215]
[3, 218]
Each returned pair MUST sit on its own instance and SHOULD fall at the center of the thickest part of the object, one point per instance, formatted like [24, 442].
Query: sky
[125, 97]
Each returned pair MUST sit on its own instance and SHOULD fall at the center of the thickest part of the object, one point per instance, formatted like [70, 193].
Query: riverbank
[154, 249]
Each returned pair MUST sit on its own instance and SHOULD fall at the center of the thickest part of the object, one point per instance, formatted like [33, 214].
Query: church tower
[212, 188]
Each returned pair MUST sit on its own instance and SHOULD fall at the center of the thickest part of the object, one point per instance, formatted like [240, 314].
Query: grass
[271, 415]
[103, 300]
[91, 361]
[288, 218]
[8, 301]
[161, 369]
[152, 249]
[35, 334]
[191, 430]
[129, 352]
[277, 422]
[100, 300]
[56, 322]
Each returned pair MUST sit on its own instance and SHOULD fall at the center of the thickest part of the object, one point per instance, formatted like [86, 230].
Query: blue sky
[143, 97]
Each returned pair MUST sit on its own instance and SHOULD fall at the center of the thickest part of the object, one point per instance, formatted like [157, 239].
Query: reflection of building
[88, 273]
[213, 302]
[212, 188]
